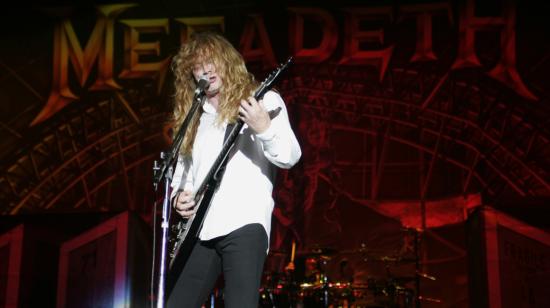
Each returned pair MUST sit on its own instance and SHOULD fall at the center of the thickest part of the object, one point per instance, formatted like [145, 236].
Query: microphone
[202, 85]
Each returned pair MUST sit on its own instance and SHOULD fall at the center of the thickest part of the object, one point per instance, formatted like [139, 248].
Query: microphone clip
[202, 85]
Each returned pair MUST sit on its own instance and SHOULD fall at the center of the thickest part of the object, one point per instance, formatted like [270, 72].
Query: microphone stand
[165, 171]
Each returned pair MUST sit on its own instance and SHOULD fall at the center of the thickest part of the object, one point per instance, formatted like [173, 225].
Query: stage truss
[435, 133]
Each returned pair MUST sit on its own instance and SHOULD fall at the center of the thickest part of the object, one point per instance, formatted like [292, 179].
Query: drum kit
[311, 285]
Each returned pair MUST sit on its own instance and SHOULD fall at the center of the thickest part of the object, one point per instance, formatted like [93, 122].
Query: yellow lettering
[66, 46]
[134, 48]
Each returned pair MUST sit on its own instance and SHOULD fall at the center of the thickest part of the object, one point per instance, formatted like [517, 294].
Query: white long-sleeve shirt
[245, 193]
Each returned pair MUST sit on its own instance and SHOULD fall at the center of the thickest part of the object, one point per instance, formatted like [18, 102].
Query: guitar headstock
[268, 82]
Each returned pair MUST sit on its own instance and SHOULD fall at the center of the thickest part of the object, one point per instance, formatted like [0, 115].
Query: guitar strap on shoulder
[228, 130]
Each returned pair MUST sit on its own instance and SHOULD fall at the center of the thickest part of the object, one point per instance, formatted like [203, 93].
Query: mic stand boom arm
[165, 170]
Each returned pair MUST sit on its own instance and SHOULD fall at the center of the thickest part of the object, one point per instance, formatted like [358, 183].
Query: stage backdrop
[409, 115]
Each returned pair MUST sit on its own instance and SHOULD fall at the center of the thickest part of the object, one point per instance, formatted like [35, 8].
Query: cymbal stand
[325, 284]
[289, 270]
[417, 268]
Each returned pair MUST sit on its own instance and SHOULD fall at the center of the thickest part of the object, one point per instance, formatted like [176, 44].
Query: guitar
[187, 230]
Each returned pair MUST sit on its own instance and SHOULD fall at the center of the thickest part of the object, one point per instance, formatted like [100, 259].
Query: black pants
[240, 255]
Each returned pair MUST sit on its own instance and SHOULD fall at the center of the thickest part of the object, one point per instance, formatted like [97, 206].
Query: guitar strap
[228, 130]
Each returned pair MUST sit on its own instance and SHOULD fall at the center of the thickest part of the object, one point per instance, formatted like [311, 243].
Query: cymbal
[387, 259]
[329, 285]
[379, 256]
[281, 253]
[318, 252]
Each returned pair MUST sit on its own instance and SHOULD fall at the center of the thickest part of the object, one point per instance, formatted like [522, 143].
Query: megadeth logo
[255, 44]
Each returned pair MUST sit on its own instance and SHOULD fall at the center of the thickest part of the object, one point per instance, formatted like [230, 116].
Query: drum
[323, 294]
[378, 293]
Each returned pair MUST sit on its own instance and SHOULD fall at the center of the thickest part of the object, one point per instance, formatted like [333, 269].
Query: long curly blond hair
[237, 82]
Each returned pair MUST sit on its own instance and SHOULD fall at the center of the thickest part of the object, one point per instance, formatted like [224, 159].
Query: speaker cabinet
[509, 262]
[106, 266]
[11, 248]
